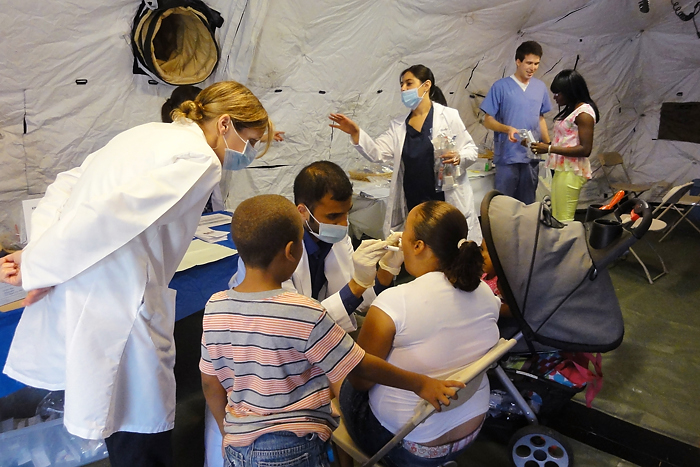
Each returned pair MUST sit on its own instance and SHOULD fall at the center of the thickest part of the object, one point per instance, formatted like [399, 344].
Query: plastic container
[446, 175]
[51, 406]
[48, 444]
[604, 232]
[594, 212]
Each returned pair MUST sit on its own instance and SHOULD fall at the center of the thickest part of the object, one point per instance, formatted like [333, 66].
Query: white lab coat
[108, 237]
[388, 147]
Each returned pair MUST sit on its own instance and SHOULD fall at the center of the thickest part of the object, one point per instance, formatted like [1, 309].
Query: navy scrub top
[418, 159]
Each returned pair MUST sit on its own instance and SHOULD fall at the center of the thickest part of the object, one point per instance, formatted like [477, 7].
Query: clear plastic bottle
[502, 405]
[51, 406]
[446, 175]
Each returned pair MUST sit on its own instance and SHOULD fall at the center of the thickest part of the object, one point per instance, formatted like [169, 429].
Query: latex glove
[392, 260]
[365, 261]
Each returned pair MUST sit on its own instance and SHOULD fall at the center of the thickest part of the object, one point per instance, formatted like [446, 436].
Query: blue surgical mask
[235, 160]
[410, 98]
[329, 233]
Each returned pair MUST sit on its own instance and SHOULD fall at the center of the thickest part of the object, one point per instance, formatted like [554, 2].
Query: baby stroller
[554, 278]
[561, 297]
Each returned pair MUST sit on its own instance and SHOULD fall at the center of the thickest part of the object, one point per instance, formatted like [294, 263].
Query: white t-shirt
[522, 85]
[439, 330]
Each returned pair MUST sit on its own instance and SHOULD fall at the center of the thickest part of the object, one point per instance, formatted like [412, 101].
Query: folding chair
[610, 160]
[656, 226]
[470, 375]
[681, 202]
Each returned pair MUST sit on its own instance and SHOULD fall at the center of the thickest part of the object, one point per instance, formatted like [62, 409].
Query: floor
[648, 412]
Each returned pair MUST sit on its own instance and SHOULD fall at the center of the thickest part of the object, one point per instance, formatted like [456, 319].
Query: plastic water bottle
[51, 406]
[502, 405]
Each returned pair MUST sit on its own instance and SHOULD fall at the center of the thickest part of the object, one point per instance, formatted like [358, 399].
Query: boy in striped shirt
[268, 354]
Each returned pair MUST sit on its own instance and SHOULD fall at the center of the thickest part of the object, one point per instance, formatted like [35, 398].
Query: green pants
[566, 187]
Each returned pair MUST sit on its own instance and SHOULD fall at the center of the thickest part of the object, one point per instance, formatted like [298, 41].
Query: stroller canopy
[547, 276]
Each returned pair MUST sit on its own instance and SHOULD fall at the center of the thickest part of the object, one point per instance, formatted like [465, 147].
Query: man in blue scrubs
[517, 102]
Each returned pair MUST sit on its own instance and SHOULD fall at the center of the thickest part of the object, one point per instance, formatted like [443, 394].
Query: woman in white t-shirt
[442, 321]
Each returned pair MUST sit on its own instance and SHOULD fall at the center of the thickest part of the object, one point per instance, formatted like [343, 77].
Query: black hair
[262, 226]
[443, 227]
[179, 95]
[573, 87]
[423, 74]
[318, 179]
[528, 48]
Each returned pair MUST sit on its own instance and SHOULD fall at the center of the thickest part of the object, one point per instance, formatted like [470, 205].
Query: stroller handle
[640, 208]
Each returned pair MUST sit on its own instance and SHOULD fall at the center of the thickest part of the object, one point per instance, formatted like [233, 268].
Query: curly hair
[262, 226]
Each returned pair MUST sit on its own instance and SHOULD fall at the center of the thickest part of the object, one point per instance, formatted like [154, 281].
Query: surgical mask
[329, 233]
[235, 160]
[410, 97]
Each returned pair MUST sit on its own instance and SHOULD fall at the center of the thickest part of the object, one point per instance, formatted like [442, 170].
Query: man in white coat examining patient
[105, 242]
[408, 146]
[342, 279]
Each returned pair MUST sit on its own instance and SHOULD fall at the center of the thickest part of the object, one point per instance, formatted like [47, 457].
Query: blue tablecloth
[194, 287]
[8, 324]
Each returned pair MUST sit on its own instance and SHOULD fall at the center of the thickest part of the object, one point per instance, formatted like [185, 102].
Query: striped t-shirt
[274, 353]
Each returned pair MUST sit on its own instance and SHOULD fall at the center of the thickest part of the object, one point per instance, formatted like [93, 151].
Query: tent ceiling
[287, 52]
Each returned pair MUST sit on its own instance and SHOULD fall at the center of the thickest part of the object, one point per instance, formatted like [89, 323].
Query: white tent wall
[49, 123]
[307, 58]
[354, 51]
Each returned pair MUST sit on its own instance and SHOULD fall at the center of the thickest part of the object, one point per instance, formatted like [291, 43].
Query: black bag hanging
[174, 41]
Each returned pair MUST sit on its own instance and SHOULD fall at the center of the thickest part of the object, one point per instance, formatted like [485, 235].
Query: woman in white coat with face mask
[106, 241]
[407, 144]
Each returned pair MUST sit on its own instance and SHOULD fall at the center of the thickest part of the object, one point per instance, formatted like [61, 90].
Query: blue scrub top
[510, 105]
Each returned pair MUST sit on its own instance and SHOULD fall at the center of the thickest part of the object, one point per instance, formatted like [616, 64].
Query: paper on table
[200, 252]
[10, 293]
[476, 174]
[214, 219]
[376, 192]
[209, 235]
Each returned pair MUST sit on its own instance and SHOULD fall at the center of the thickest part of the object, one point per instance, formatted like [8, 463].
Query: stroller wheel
[539, 446]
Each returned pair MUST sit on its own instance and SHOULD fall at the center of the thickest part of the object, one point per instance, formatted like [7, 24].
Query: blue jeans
[280, 449]
[518, 181]
[370, 436]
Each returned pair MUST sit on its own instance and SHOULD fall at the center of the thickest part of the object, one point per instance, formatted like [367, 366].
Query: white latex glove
[392, 260]
[365, 260]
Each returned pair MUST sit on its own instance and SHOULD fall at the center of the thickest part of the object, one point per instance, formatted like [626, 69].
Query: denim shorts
[280, 449]
[370, 436]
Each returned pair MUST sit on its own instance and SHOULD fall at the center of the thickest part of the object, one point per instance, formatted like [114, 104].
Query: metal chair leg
[664, 271]
[684, 215]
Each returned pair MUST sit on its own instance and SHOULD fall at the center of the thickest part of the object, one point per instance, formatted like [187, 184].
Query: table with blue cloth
[194, 286]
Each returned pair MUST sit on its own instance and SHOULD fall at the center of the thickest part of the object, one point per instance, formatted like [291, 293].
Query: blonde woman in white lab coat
[406, 144]
[105, 242]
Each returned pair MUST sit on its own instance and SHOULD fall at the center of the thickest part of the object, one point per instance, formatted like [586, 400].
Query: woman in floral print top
[572, 142]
